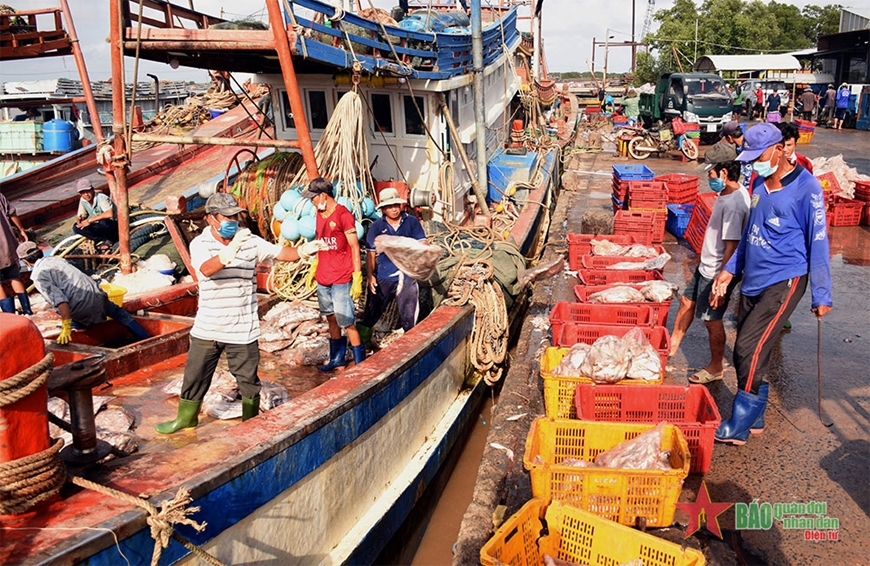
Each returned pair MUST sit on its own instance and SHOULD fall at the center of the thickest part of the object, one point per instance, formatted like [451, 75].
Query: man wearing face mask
[784, 246]
[339, 273]
[727, 222]
[225, 258]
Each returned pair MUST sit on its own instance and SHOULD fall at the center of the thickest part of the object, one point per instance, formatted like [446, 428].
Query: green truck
[694, 97]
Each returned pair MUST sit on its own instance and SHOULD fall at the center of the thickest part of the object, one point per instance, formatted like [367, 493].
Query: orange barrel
[23, 424]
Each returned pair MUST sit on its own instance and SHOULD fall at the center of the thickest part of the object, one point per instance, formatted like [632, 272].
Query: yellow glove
[356, 286]
[310, 282]
[65, 332]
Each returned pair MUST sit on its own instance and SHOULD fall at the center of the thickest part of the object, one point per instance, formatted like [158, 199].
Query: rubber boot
[746, 409]
[337, 354]
[25, 303]
[365, 334]
[359, 353]
[758, 426]
[250, 408]
[188, 417]
[8, 305]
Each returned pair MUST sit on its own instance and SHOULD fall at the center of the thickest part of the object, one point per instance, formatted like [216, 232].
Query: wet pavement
[796, 460]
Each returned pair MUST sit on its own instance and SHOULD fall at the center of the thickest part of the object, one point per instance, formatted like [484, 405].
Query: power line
[688, 41]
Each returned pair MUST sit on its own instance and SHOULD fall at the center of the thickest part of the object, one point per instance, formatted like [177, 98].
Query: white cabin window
[414, 123]
[317, 109]
[382, 110]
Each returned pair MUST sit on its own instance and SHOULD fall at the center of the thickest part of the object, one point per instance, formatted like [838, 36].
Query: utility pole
[593, 56]
[633, 42]
[696, 43]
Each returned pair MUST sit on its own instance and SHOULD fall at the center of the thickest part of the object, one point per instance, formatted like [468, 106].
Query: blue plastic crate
[633, 173]
[618, 203]
[678, 218]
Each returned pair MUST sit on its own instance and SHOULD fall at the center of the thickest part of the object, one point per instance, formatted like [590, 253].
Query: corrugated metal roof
[779, 62]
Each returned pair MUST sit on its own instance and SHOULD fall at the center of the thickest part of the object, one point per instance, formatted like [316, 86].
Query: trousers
[106, 229]
[202, 359]
[407, 299]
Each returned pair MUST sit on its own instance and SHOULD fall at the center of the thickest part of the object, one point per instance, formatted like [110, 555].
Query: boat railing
[21, 38]
[172, 16]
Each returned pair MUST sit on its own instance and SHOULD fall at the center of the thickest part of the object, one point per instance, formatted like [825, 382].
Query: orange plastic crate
[611, 276]
[690, 407]
[620, 315]
[659, 310]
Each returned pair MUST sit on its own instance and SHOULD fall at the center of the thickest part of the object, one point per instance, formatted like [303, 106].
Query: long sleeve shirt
[786, 237]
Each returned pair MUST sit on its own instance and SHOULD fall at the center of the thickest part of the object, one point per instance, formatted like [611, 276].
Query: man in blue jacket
[784, 245]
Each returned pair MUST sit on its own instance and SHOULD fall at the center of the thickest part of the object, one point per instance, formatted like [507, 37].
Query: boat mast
[536, 38]
[479, 110]
[83, 72]
[120, 163]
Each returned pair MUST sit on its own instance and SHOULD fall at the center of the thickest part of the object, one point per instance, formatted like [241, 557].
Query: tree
[823, 20]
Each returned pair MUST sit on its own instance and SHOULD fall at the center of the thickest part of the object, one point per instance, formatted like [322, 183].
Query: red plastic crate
[653, 188]
[587, 333]
[638, 224]
[590, 261]
[681, 127]
[620, 315]
[833, 183]
[581, 244]
[691, 408]
[610, 276]
[862, 191]
[865, 215]
[846, 212]
[659, 310]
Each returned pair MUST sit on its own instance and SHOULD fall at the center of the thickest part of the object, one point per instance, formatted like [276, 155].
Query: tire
[633, 149]
[689, 149]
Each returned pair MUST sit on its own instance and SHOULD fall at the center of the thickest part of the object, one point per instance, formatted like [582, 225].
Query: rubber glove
[65, 331]
[228, 254]
[356, 286]
[308, 249]
[310, 282]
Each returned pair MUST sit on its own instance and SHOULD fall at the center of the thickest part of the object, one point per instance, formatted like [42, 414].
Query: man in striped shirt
[225, 259]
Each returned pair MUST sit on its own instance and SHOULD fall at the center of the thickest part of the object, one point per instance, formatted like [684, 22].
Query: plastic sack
[641, 453]
[657, 262]
[639, 250]
[618, 294]
[607, 361]
[658, 291]
[569, 366]
[646, 363]
[605, 247]
[413, 258]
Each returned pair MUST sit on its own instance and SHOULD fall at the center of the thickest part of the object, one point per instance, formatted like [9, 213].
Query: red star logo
[703, 506]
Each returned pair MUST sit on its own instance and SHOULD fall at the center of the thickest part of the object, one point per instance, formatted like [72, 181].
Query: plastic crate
[571, 534]
[846, 212]
[581, 244]
[700, 218]
[865, 215]
[805, 136]
[862, 191]
[637, 224]
[611, 276]
[605, 261]
[678, 218]
[659, 310]
[620, 315]
[805, 125]
[681, 127]
[633, 173]
[829, 182]
[682, 189]
[619, 495]
[690, 407]
[576, 332]
[617, 203]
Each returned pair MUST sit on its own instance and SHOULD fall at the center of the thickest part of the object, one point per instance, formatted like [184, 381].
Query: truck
[702, 98]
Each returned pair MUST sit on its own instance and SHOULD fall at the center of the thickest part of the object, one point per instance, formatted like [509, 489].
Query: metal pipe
[156, 92]
[83, 72]
[479, 108]
[207, 140]
[118, 170]
[282, 46]
[633, 43]
[81, 416]
[475, 186]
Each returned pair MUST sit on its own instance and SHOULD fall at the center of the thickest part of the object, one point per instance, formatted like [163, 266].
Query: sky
[568, 29]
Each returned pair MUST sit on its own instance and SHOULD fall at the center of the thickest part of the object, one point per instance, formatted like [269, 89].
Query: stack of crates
[622, 176]
[862, 193]
[650, 196]
[700, 218]
[806, 130]
[639, 225]
[682, 189]
[678, 218]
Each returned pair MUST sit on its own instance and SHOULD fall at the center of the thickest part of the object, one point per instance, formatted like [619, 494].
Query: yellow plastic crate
[617, 495]
[579, 537]
[559, 390]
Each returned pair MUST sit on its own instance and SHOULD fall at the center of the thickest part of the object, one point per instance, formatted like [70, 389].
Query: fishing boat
[329, 476]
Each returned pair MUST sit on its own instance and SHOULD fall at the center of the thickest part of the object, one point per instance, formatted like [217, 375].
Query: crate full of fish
[655, 294]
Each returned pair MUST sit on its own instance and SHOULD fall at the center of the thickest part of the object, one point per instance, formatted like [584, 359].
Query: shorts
[335, 299]
[10, 272]
[841, 113]
[698, 291]
[773, 117]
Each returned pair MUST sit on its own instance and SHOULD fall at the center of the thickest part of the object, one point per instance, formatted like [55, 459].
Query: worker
[96, 214]
[724, 230]
[843, 96]
[77, 297]
[385, 281]
[808, 103]
[631, 104]
[225, 258]
[773, 103]
[9, 270]
[338, 273]
[830, 105]
[790, 135]
[750, 100]
[731, 136]
[784, 245]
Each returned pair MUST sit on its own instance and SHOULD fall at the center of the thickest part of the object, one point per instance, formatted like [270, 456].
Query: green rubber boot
[188, 413]
[250, 408]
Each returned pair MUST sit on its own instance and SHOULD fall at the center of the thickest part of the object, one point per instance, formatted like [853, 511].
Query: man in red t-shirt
[338, 273]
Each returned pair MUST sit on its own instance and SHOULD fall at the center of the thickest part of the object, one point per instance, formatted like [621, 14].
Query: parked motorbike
[660, 141]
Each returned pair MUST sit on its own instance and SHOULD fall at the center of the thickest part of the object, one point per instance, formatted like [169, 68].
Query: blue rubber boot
[746, 409]
[337, 353]
[758, 426]
[8, 305]
[25, 303]
[359, 353]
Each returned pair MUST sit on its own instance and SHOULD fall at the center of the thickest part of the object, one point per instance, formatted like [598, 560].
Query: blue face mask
[716, 184]
[228, 228]
[764, 168]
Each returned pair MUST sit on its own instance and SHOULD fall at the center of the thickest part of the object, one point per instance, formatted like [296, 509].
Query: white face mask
[322, 206]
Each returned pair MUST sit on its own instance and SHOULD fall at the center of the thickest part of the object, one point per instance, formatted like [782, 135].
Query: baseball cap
[758, 138]
[222, 203]
[316, 187]
[732, 129]
[718, 153]
[83, 185]
[27, 249]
